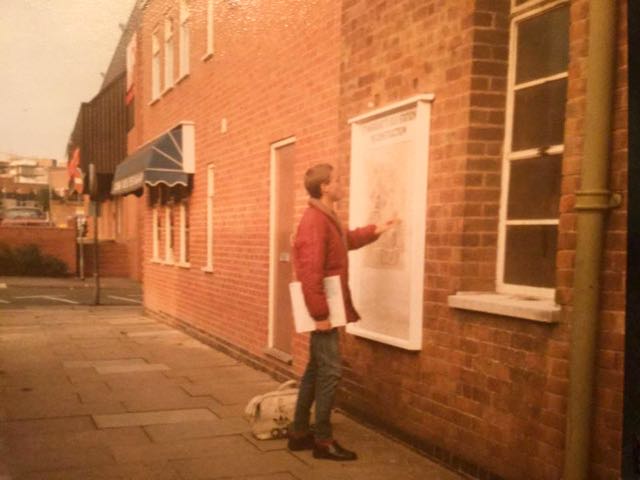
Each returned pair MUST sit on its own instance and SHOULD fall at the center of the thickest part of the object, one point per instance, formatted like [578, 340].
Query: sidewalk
[106, 393]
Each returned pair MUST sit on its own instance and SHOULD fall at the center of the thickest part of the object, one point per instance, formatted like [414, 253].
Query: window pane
[543, 45]
[534, 188]
[539, 115]
[530, 257]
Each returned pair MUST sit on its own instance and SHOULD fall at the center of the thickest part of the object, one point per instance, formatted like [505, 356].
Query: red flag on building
[131, 65]
[75, 173]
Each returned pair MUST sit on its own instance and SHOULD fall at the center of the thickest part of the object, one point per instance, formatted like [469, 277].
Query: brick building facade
[272, 88]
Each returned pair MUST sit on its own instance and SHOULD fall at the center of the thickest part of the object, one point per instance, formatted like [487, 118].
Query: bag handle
[287, 384]
[252, 407]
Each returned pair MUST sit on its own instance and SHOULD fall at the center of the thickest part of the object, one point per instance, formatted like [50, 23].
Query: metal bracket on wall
[597, 200]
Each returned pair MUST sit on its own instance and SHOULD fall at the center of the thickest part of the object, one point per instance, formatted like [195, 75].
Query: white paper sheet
[333, 290]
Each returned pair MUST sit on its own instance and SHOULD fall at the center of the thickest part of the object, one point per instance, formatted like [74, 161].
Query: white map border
[416, 217]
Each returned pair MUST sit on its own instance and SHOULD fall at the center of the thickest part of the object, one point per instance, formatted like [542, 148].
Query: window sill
[537, 310]
[154, 101]
[207, 269]
[182, 78]
[166, 90]
[207, 56]
[156, 260]
[183, 265]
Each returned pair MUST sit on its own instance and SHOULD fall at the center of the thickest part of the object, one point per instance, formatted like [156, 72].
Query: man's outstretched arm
[362, 236]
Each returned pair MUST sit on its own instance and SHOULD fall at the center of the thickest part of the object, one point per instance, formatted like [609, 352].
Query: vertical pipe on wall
[592, 202]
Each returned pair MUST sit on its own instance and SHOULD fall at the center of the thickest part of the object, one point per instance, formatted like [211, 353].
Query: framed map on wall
[389, 164]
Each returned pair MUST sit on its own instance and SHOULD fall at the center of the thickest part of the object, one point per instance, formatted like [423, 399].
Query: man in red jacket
[320, 250]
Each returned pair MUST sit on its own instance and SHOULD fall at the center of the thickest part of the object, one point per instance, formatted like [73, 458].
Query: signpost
[93, 192]
[81, 231]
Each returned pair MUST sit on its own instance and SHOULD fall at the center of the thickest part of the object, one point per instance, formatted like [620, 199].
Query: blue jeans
[319, 383]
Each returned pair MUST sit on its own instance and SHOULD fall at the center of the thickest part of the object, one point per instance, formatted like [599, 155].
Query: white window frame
[184, 235]
[273, 234]
[155, 235]
[210, 194]
[185, 39]
[168, 235]
[155, 65]
[168, 54]
[210, 31]
[510, 156]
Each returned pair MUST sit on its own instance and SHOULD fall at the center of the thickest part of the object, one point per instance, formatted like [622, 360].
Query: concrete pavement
[107, 393]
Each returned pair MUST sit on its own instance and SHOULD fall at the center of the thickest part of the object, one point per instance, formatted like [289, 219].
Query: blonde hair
[315, 177]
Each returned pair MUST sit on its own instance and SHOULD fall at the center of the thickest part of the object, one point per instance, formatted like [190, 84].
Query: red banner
[75, 173]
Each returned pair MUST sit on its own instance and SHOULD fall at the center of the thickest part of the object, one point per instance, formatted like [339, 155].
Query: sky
[51, 55]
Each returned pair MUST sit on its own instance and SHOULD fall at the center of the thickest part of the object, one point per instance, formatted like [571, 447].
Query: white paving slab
[104, 363]
[153, 333]
[118, 420]
[131, 321]
[150, 367]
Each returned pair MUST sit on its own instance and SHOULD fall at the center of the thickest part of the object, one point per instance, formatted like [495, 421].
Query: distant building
[22, 179]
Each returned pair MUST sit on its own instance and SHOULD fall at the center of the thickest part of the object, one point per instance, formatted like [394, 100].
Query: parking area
[22, 292]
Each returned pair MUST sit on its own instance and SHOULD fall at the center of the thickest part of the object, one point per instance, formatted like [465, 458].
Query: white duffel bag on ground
[271, 413]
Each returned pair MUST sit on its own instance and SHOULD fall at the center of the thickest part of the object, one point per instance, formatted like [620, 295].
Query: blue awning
[166, 160]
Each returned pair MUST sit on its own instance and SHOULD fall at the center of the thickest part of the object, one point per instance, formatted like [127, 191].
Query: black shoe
[333, 451]
[304, 442]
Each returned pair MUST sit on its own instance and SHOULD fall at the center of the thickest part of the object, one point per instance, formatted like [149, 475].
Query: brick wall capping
[508, 305]
[423, 97]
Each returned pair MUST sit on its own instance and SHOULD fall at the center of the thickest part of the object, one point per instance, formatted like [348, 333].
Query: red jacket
[320, 250]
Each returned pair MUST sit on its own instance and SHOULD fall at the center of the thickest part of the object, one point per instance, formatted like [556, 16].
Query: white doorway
[281, 230]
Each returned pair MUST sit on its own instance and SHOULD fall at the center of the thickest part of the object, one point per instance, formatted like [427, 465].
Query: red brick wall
[122, 248]
[442, 394]
[132, 234]
[112, 257]
[486, 393]
[274, 74]
[483, 145]
[58, 242]
[128, 237]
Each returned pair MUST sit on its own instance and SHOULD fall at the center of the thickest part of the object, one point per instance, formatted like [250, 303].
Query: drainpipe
[592, 203]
